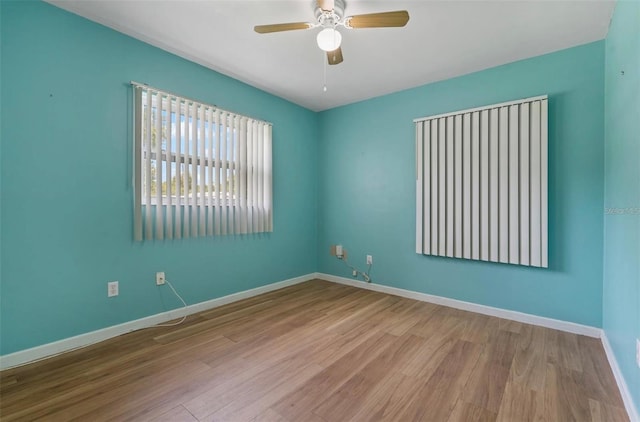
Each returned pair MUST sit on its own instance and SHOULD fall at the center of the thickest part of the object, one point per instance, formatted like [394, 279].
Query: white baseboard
[622, 384]
[50, 349]
[468, 306]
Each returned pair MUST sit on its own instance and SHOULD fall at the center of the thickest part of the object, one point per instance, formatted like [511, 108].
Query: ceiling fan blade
[279, 27]
[326, 5]
[335, 56]
[378, 20]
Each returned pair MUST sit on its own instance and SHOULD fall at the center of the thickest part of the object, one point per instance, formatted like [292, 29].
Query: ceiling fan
[330, 14]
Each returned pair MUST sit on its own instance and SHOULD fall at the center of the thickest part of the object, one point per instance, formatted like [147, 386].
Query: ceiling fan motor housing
[329, 19]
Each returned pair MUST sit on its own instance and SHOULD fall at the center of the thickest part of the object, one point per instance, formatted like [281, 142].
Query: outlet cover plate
[160, 278]
[369, 260]
[112, 289]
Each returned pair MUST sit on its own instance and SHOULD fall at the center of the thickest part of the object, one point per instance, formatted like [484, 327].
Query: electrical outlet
[369, 260]
[339, 251]
[112, 288]
[638, 352]
[160, 279]
[354, 273]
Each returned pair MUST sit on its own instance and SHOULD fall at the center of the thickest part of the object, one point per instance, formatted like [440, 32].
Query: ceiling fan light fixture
[329, 39]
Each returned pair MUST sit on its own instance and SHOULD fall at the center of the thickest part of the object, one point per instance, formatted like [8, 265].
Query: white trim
[50, 349]
[556, 324]
[485, 107]
[632, 412]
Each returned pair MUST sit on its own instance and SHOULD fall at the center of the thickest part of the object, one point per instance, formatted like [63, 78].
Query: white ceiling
[443, 39]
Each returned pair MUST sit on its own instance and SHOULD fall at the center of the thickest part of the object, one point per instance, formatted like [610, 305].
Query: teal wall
[621, 299]
[65, 180]
[367, 188]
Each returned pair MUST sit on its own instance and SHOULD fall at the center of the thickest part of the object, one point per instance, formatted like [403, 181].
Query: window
[199, 170]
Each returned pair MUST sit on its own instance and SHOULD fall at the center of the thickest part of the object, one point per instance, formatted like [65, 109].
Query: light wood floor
[319, 351]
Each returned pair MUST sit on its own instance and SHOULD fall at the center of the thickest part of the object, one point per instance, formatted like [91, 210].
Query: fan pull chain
[324, 60]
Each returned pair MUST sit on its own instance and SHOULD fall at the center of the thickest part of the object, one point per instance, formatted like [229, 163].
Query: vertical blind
[481, 183]
[198, 170]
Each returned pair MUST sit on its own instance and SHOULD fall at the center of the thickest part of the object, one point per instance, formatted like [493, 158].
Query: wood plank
[429, 358]
[508, 325]
[88, 398]
[150, 406]
[502, 348]
[563, 350]
[255, 380]
[486, 384]
[294, 405]
[521, 404]
[177, 414]
[269, 415]
[479, 329]
[388, 399]
[602, 412]
[599, 382]
[98, 373]
[529, 363]
[565, 398]
[7, 381]
[262, 392]
[436, 399]
[344, 402]
[466, 412]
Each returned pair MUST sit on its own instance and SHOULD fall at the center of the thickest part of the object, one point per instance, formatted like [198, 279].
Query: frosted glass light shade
[329, 39]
